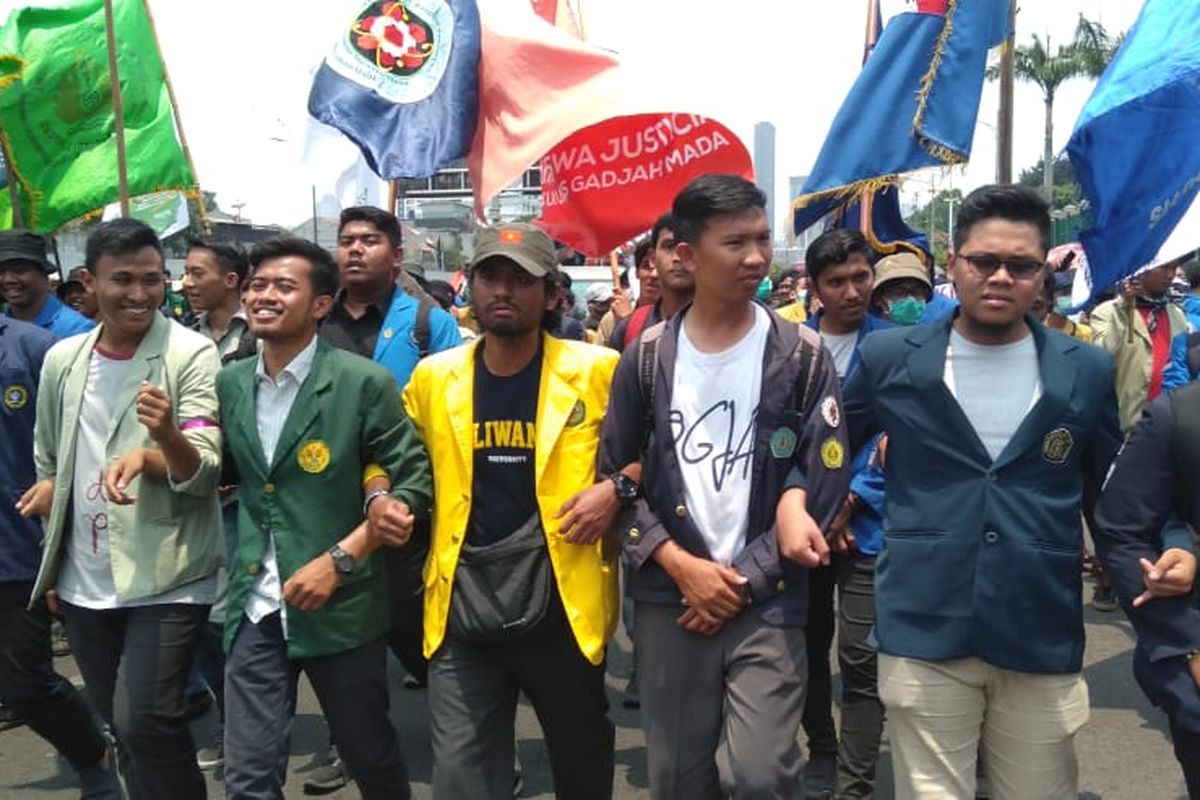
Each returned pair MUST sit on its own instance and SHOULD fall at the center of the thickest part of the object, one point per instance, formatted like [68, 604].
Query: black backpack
[420, 332]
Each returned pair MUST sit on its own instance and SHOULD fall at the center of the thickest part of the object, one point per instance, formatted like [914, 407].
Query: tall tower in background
[764, 168]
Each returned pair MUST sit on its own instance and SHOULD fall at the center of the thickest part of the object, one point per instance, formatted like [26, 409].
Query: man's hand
[690, 620]
[37, 499]
[52, 603]
[621, 306]
[118, 476]
[800, 539]
[1172, 575]
[589, 514]
[840, 536]
[715, 592]
[390, 521]
[154, 411]
[311, 586]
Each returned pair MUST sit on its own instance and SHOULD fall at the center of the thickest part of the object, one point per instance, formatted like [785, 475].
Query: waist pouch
[503, 592]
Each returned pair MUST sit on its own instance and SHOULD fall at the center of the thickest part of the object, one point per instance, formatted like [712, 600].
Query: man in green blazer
[307, 591]
[128, 453]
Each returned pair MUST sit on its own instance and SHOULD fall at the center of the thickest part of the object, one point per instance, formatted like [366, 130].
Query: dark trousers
[260, 700]
[135, 664]
[1168, 684]
[45, 700]
[210, 663]
[722, 712]
[862, 712]
[818, 702]
[473, 704]
[406, 595]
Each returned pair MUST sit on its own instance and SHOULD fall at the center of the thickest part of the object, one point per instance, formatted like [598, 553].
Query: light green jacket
[172, 534]
[1132, 352]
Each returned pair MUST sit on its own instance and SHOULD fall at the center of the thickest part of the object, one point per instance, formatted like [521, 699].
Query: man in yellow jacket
[521, 581]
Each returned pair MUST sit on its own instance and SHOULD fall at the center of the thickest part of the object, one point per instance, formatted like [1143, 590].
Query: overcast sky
[242, 71]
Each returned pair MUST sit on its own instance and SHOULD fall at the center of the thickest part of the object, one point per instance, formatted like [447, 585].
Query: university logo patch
[15, 397]
[832, 454]
[783, 443]
[313, 456]
[1056, 447]
[400, 50]
[578, 414]
[830, 411]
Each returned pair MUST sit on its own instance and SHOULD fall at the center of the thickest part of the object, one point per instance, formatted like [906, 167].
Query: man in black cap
[77, 295]
[25, 285]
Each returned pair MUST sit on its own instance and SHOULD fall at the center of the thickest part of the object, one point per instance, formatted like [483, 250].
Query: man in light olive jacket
[128, 450]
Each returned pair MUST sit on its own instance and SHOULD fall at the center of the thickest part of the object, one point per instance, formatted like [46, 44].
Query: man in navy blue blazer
[999, 434]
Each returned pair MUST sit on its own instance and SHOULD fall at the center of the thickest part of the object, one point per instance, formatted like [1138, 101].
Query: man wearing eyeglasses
[999, 433]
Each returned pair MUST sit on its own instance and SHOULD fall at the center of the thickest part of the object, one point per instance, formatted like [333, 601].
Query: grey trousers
[721, 713]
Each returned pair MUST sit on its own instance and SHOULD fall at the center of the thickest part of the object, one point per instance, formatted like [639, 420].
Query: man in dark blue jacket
[28, 683]
[841, 276]
[1142, 533]
[999, 431]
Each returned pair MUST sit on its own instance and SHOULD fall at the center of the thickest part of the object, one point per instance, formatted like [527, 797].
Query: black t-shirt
[503, 495]
[357, 336]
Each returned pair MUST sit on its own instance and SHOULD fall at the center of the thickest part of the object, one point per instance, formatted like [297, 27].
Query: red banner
[606, 183]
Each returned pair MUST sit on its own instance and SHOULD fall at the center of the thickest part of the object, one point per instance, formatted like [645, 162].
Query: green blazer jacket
[347, 415]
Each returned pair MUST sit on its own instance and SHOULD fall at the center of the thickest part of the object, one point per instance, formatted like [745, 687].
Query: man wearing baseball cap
[25, 285]
[520, 586]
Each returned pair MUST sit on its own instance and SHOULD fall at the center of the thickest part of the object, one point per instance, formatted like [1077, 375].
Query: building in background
[764, 168]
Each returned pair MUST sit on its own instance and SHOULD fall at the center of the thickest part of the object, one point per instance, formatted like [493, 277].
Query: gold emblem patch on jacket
[578, 414]
[313, 456]
[832, 454]
[15, 397]
[1056, 447]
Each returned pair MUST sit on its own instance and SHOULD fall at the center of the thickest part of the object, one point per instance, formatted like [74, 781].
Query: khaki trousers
[941, 714]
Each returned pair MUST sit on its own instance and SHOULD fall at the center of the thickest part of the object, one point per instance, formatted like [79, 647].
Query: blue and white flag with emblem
[402, 82]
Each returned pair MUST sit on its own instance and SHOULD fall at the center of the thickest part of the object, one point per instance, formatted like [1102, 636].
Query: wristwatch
[628, 490]
[343, 562]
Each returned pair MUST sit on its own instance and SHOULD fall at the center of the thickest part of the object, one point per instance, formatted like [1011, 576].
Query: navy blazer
[982, 558]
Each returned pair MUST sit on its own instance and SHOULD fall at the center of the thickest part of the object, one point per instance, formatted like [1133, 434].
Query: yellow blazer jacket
[572, 399]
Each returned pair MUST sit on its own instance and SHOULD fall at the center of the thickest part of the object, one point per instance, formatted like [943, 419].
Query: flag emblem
[399, 50]
[510, 237]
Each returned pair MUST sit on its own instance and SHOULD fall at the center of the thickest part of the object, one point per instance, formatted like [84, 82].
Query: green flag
[56, 110]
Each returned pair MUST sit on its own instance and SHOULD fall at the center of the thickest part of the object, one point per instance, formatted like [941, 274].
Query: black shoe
[820, 776]
[9, 719]
[327, 778]
[213, 756]
[518, 778]
[1103, 599]
[413, 682]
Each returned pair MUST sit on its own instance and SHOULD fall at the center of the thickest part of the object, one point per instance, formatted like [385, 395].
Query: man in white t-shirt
[999, 433]
[720, 404]
[128, 454]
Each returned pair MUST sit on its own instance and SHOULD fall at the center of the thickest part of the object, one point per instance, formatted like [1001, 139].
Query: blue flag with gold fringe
[914, 104]
[1135, 144]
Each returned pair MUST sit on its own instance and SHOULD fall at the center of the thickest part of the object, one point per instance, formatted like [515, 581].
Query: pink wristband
[200, 422]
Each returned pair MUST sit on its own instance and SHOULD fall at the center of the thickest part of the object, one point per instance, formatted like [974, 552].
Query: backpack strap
[636, 324]
[420, 333]
[647, 359]
[806, 355]
[1193, 354]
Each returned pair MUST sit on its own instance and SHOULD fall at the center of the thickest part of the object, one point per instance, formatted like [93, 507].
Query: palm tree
[1087, 55]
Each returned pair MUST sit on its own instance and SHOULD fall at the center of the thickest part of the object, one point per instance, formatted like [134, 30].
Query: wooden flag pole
[114, 77]
[183, 142]
[393, 196]
[614, 264]
[14, 198]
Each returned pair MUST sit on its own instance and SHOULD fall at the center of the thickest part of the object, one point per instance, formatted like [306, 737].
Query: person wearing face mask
[1054, 306]
[902, 289]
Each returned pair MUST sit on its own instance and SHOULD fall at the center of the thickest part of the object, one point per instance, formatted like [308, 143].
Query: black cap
[19, 244]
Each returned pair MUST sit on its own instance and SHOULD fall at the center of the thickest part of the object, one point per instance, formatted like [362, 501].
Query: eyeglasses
[986, 264]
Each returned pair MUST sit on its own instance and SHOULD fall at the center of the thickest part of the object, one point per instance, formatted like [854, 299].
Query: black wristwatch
[343, 562]
[628, 490]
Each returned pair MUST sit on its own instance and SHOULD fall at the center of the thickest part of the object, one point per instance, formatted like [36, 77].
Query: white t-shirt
[86, 578]
[841, 348]
[996, 386]
[714, 405]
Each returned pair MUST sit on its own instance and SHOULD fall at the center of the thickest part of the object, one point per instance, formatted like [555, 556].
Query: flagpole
[869, 40]
[393, 195]
[114, 77]
[1004, 126]
[183, 142]
[14, 198]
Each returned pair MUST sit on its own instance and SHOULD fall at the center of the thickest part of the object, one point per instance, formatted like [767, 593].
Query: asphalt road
[1124, 752]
